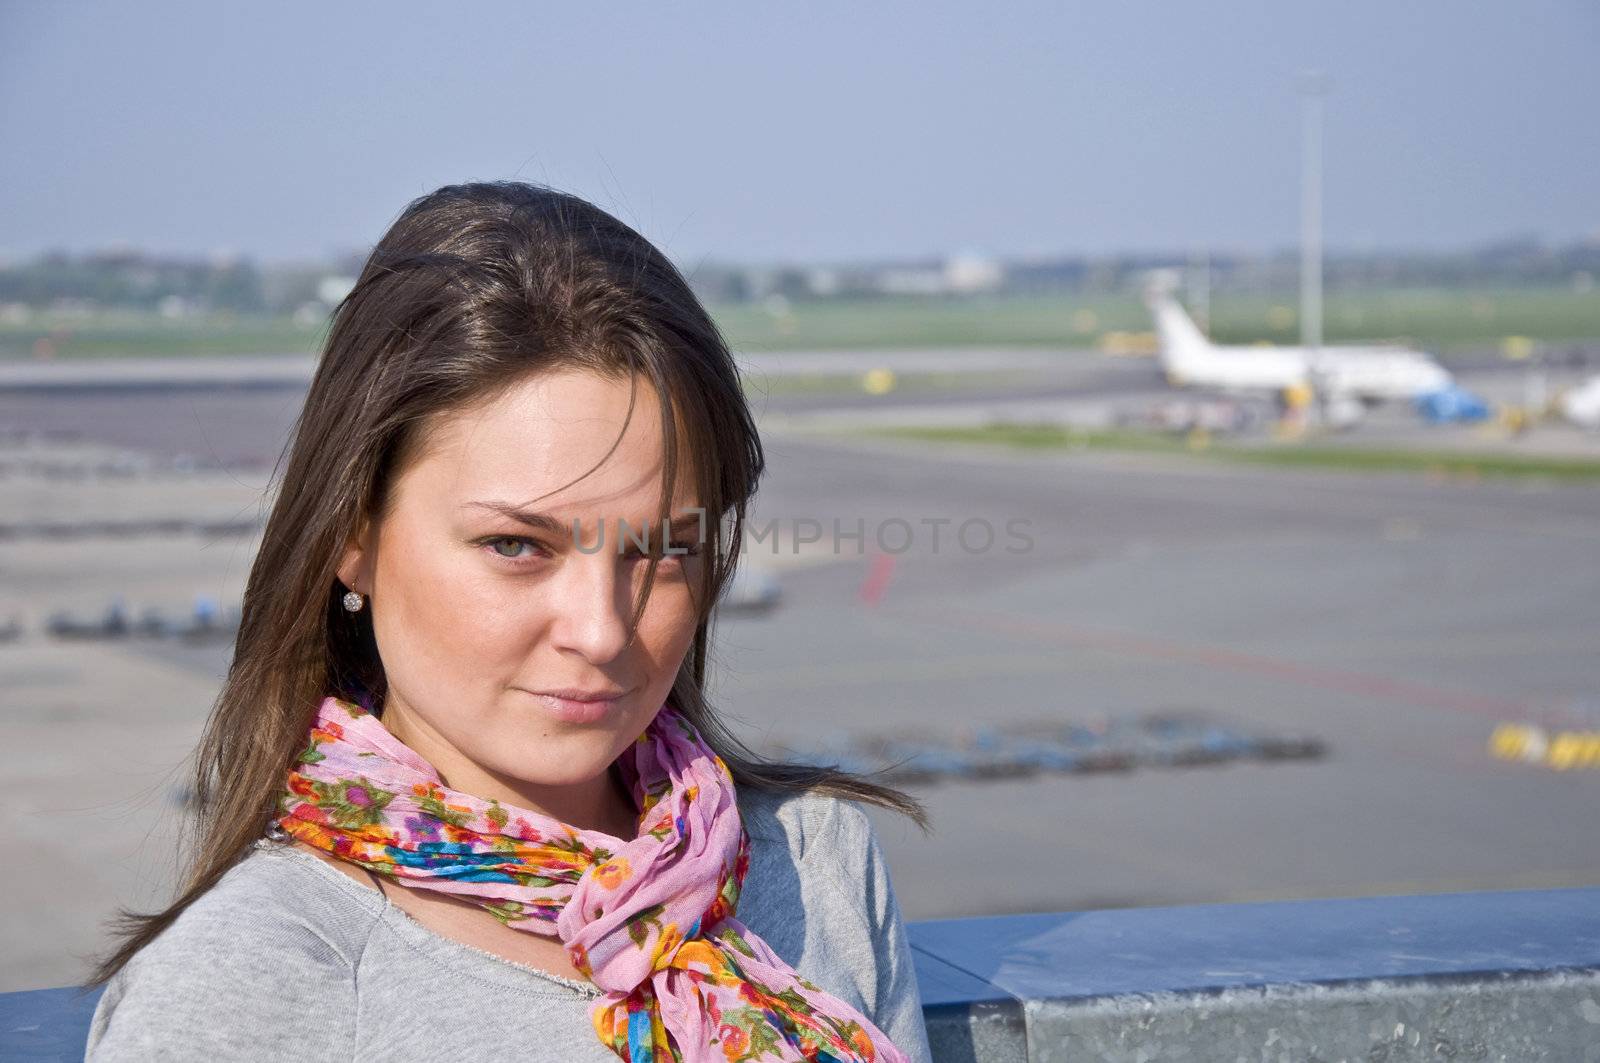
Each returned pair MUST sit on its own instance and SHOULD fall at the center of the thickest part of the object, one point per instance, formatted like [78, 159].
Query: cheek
[667, 630]
[440, 620]
[666, 633]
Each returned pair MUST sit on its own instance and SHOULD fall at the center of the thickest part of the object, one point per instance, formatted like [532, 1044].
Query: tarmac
[1399, 618]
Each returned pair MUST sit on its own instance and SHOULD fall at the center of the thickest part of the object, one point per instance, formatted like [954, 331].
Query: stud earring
[353, 600]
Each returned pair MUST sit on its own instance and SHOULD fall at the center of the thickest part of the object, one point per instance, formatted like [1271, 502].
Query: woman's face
[480, 613]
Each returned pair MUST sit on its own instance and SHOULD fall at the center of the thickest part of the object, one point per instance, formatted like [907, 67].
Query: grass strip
[1288, 454]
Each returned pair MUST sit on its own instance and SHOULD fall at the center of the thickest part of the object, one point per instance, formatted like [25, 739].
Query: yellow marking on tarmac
[1517, 348]
[878, 381]
[1559, 750]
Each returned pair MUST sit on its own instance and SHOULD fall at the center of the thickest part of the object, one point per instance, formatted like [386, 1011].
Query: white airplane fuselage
[1369, 373]
[1581, 405]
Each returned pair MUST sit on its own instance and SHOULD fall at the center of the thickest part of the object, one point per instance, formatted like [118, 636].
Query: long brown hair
[474, 288]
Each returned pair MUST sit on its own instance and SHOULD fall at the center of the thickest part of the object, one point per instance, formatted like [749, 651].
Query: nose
[592, 605]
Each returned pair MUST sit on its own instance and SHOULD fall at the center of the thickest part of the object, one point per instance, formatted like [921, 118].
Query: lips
[573, 705]
[579, 694]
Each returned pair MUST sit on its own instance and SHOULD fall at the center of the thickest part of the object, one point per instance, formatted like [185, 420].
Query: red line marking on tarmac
[1339, 679]
[877, 578]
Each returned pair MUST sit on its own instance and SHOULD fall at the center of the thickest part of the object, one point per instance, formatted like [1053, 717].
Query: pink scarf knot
[650, 920]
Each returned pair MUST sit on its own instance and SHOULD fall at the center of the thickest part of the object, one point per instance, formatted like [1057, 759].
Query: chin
[555, 760]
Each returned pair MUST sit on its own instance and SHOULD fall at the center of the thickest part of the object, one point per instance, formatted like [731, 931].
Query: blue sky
[818, 131]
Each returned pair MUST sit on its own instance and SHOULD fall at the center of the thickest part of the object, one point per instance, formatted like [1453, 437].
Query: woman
[462, 795]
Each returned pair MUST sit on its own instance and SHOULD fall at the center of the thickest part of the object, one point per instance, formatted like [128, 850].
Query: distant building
[973, 273]
[333, 289]
[912, 280]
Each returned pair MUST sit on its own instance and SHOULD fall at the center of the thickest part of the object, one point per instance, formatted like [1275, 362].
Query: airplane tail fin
[1182, 344]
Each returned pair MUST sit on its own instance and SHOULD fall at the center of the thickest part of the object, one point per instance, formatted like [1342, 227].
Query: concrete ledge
[1506, 976]
[1522, 1017]
[1511, 976]
[968, 1019]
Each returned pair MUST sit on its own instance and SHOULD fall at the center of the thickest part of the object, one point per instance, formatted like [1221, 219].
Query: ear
[355, 566]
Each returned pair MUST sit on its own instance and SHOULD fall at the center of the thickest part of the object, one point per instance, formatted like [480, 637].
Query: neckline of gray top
[469, 959]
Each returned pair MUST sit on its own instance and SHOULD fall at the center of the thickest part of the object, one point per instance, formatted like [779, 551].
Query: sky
[804, 132]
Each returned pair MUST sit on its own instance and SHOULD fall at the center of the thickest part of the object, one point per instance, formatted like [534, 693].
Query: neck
[600, 804]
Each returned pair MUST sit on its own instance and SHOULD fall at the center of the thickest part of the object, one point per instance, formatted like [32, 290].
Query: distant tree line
[133, 280]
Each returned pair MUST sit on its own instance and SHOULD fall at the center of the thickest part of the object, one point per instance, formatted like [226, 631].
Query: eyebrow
[554, 526]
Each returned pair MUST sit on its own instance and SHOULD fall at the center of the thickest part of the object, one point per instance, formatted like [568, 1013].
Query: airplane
[1347, 379]
[1581, 405]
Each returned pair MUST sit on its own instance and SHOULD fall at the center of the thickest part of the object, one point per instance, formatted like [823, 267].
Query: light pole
[1313, 87]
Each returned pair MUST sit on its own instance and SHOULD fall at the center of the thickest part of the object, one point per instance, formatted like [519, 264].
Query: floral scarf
[650, 920]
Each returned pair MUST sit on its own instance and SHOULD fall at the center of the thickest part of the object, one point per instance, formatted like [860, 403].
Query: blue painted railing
[1499, 975]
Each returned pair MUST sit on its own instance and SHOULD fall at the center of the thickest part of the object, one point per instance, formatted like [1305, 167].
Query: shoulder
[276, 937]
[828, 840]
[820, 895]
[809, 823]
[275, 899]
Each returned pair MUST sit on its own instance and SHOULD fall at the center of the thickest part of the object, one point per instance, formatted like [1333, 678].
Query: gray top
[289, 958]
